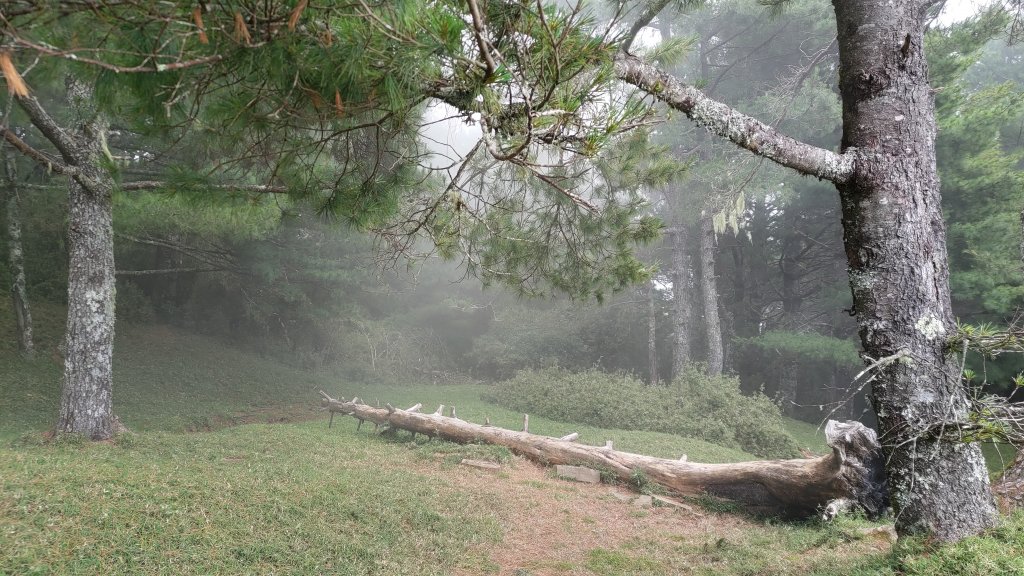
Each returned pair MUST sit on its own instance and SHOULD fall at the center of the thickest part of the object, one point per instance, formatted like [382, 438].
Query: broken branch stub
[794, 488]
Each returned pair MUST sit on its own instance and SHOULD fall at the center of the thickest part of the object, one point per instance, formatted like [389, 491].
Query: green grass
[298, 498]
[295, 498]
[997, 456]
[764, 549]
[251, 499]
[807, 435]
[469, 406]
[164, 380]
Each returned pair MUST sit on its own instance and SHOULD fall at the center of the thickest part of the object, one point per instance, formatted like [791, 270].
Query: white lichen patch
[862, 280]
[930, 326]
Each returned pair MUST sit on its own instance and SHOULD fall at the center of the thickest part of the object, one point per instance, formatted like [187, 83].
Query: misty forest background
[736, 325]
[294, 283]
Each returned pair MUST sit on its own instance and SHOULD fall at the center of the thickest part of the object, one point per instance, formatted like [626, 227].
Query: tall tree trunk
[895, 245]
[16, 255]
[792, 302]
[789, 384]
[709, 290]
[652, 333]
[899, 275]
[86, 398]
[682, 313]
[1021, 239]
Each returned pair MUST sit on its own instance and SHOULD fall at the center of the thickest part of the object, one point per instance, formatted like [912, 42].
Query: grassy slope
[296, 498]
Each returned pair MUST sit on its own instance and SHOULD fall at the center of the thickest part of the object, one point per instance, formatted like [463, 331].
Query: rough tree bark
[86, 391]
[1021, 239]
[895, 245]
[789, 384]
[86, 395]
[793, 488]
[652, 333]
[709, 293]
[682, 313]
[16, 255]
[792, 302]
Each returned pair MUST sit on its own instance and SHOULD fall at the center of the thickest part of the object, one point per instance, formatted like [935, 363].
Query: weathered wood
[644, 501]
[798, 487]
[1009, 490]
[663, 501]
[578, 473]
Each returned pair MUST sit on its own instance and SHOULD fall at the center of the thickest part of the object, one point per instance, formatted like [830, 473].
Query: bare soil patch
[270, 415]
[552, 525]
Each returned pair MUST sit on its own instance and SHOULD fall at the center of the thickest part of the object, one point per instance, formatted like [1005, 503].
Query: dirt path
[554, 526]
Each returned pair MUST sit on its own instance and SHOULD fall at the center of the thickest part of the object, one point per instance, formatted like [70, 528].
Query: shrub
[694, 406]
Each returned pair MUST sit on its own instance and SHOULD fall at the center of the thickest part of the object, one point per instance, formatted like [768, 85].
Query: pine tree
[542, 77]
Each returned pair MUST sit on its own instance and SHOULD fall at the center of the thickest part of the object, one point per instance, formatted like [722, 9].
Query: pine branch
[40, 158]
[141, 68]
[645, 18]
[158, 184]
[745, 131]
[70, 150]
[166, 271]
[480, 33]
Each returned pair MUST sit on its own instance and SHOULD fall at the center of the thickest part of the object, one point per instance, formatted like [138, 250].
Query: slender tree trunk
[16, 256]
[789, 384]
[86, 398]
[789, 270]
[709, 290]
[899, 275]
[652, 333]
[682, 313]
[1021, 239]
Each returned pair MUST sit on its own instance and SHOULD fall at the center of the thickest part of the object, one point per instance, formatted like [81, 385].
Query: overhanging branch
[158, 184]
[649, 14]
[39, 157]
[165, 271]
[745, 131]
[141, 68]
[70, 150]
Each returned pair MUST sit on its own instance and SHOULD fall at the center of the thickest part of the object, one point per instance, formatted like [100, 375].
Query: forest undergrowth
[229, 468]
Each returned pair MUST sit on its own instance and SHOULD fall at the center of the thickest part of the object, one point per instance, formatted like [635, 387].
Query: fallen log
[852, 475]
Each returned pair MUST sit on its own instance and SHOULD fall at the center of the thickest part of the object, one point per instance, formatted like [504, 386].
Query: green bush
[694, 406]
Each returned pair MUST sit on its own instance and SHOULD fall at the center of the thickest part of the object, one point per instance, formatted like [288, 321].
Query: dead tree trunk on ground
[802, 487]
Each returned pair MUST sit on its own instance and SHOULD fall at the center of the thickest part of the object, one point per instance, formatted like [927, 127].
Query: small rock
[481, 464]
[643, 502]
[673, 503]
[578, 473]
[887, 533]
[622, 497]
